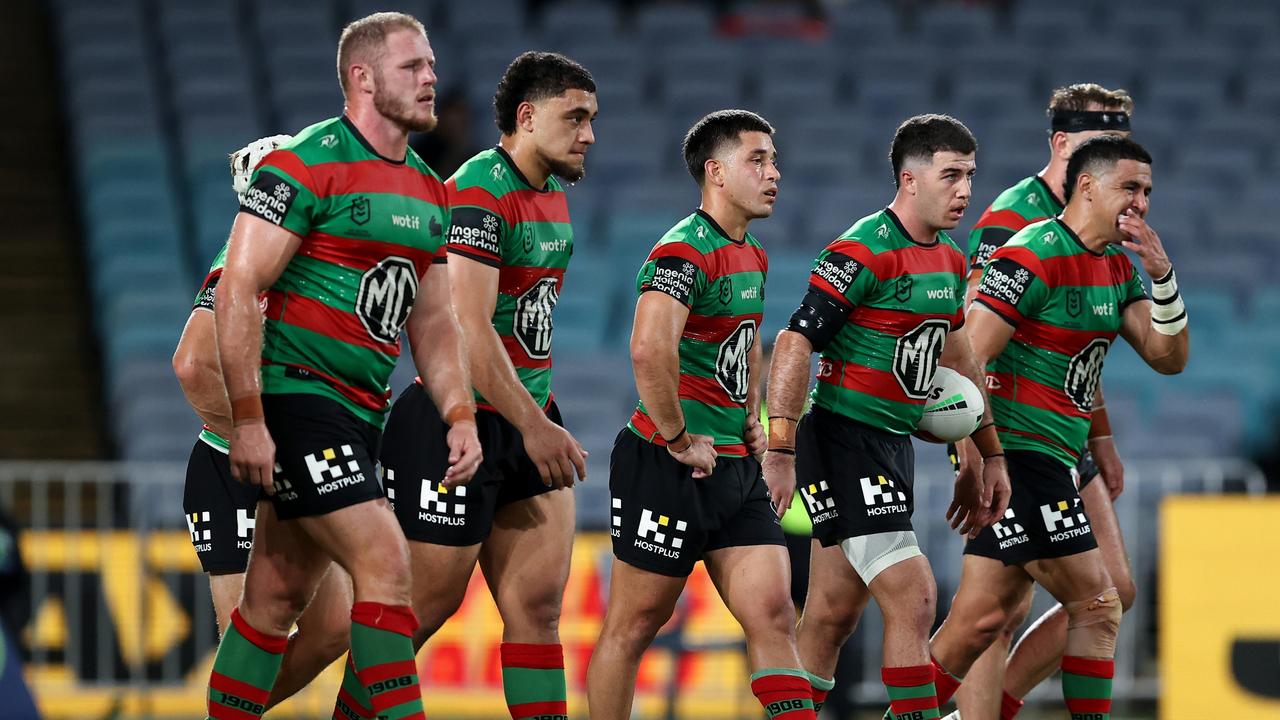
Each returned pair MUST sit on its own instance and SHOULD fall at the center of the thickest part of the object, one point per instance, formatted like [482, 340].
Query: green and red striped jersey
[721, 280]
[1019, 206]
[370, 228]
[204, 301]
[902, 298]
[1067, 305]
[499, 219]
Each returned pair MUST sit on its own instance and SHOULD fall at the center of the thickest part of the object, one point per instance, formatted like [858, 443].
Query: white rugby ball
[952, 409]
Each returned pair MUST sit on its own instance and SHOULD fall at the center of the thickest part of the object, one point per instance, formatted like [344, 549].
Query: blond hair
[1080, 96]
[364, 40]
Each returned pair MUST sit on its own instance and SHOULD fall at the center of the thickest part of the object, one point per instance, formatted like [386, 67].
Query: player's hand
[966, 508]
[780, 477]
[1144, 243]
[465, 454]
[245, 160]
[755, 438]
[996, 491]
[700, 455]
[253, 455]
[556, 454]
[1110, 468]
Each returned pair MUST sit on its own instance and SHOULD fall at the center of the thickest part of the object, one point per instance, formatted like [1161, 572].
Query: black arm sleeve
[818, 318]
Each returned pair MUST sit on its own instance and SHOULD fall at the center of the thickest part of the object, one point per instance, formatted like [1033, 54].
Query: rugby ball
[952, 410]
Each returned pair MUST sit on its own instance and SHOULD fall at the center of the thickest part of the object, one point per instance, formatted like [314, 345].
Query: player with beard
[1076, 113]
[331, 229]
[884, 309]
[684, 476]
[1050, 304]
[510, 241]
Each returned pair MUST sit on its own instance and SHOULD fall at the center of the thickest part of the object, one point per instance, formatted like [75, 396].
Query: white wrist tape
[1168, 313]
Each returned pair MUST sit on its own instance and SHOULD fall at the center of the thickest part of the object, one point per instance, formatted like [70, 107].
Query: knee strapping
[1092, 625]
[872, 554]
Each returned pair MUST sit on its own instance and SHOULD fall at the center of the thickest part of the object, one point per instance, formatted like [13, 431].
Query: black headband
[1070, 121]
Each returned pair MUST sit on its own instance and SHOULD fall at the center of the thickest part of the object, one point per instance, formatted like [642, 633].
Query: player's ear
[907, 181]
[1060, 142]
[524, 116]
[360, 78]
[1084, 185]
[714, 171]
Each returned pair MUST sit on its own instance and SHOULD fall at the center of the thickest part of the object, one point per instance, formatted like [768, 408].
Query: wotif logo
[411, 222]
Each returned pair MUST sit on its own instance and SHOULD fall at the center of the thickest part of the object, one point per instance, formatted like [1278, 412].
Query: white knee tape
[872, 554]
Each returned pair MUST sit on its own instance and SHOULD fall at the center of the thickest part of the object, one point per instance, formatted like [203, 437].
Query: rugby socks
[1009, 706]
[533, 681]
[784, 693]
[353, 698]
[946, 683]
[382, 653]
[243, 671]
[820, 687]
[911, 692]
[1086, 685]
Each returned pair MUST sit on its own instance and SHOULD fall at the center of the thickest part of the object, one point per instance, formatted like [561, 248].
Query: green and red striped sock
[1086, 685]
[243, 671]
[353, 699]
[911, 692]
[1009, 706]
[533, 680]
[784, 693]
[382, 652]
[946, 683]
[820, 687]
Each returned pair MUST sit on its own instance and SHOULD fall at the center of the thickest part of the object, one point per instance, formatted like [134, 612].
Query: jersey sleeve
[476, 225]
[675, 268]
[1012, 286]
[991, 232]
[283, 193]
[840, 272]
[1134, 289]
[204, 296]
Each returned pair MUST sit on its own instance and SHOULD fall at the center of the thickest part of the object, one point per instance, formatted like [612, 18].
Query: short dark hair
[712, 132]
[535, 76]
[919, 137]
[1098, 154]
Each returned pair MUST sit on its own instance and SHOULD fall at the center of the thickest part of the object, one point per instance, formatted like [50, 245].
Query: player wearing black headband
[1076, 113]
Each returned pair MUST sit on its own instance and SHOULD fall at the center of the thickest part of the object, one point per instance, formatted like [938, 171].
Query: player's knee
[774, 615]
[1093, 624]
[1128, 592]
[1018, 614]
[634, 635]
[985, 629]
[912, 612]
[832, 621]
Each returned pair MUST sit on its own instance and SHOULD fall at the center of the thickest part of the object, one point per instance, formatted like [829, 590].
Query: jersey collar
[515, 170]
[1057, 201]
[893, 217]
[716, 226]
[351, 127]
[1076, 238]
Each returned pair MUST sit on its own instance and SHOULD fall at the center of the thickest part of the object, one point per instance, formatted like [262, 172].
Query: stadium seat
[569, 20]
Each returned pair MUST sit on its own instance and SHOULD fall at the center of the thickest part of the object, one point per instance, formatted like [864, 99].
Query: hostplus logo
[882, 496]
[441, 505]
[200, 538]
[1065, 520]
[244, 529]
[817, 497]
[330, 472]
[1009, 531]
[659, 534]
[615, 527]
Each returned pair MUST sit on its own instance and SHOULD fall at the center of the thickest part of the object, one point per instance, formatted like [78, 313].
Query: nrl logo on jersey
[732, 366]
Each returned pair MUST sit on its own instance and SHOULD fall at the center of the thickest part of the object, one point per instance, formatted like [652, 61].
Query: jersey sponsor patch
[732, 361]
[269, 197]
[204, 301]
[674, 276]
[532, 323]
[992, 239]
[839, 270]
[1005, 280]
[915, 357]
[1083, 373]
[476, 228]
[387, 292]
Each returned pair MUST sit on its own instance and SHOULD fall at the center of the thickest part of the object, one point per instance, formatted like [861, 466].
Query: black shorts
[663, 520]
[1086, 469]
[854, 479]
[324, 455]
[220, 511]
[415, 457]
[1045, 518]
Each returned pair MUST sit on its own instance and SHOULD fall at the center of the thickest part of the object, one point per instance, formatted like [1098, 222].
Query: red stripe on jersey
[852, 376]
[895, 322]
[377, 176]
[514, 279]
[534, 206]
[291, 164]
[311, 314]
[1074, 454]
[734, 258]
[912, 260]
[1086, 270]
[1044, 336]
[360, 254]
[477, 197]
[1002, 218]
[520, 358]
[705, 390]
[359, 396]
[644, 424]
[1024, 256]
[1023, 389]
[714, 328]
[823, 286]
